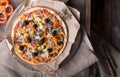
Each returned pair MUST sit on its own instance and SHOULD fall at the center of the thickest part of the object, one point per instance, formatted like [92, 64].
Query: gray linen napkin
[81, 60]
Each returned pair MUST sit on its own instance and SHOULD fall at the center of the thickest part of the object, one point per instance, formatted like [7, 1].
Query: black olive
[35, 26]
[49, 49]
[40, 52]
[26, 22]
[54, 32]
[21, 48]
[47, 20]
[53, 54]
[41, 41]
[34, 54]
[44, 47]
[29, 39]
[59, 42]
[41, 34]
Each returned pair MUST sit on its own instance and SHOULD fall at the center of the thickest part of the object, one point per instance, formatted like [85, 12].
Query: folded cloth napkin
[81, 60]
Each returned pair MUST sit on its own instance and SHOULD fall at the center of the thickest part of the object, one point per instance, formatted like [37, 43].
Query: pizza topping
[34, 54]
[29, 39]
[40, 52]
[37, 37]
[58, 29]
[52, 54]
[47, 20]
[20, 38]
[41, 41]
[39, 32]
[44, 55]
[49, 29]
[43, 46]
[51, 42]
[35, 26]
[28, 54]
[54, 32]
[29, 15]
[49, 49]
[30, 49]
[60, 42]
[33, 43]
[25, 23]
[21, 48]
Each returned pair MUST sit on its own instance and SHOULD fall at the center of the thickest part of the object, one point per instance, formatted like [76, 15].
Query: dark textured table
[106, 23]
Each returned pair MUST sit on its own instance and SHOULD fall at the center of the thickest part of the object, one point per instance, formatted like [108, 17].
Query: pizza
[38, 35]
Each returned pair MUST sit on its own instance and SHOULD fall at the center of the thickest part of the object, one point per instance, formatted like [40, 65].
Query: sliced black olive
[41, 34]
[54, 32]
[59, 42]
[53, 54]
[44, 46]
[29, 39]
[21, 48]
[40, 52]
[34, 54]
[41, 41]
[49, 49]
[26, 22]
[47, 20]
[35, 26]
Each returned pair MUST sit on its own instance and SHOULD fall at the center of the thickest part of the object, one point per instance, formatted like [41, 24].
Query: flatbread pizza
[39, 35]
